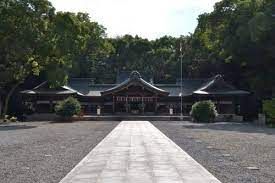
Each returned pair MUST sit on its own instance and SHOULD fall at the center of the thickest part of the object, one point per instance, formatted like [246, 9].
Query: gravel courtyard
[42, 152]
[227, 149]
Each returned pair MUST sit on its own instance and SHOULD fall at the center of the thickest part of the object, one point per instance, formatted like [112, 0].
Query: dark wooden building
[135, 95]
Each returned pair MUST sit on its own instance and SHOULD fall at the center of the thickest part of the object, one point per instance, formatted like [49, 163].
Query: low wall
[42, 117]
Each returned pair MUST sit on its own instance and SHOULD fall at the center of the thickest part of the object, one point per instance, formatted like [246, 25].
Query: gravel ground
[42, 152]
[227, 149]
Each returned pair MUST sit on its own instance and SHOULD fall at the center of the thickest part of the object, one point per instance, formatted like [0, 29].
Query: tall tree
[23, 29]
[35, 39]
[89, 61]
[236, 39]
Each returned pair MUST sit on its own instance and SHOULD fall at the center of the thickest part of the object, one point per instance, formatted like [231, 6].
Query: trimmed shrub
[204, 111]
[6, 118]
[13, 119]
[68, 107]
[269, 110]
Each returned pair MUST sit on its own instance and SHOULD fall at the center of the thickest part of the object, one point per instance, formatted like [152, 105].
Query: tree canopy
[36, 40]
[236, 39]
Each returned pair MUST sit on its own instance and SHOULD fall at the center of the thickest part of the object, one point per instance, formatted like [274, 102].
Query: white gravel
[234, 153]
[42, 152]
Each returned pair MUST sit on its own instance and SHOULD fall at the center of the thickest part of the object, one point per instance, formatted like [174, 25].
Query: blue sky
[147, 18]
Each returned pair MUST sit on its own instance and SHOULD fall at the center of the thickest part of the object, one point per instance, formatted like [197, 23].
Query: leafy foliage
[68, 107]
[204, 111]
[135, 53]
[235, 39]
[269, 110]
[23, 26]
[35, 40]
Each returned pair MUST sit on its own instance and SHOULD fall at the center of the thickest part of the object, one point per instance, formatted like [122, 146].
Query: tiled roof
[45, 89]
[124, 75]
[84, 86]
[136, 78]
[188, 87]
[217, 86]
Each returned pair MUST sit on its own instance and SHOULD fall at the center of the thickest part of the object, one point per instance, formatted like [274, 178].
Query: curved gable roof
[44, 88]
[135, 79]
[217, 86]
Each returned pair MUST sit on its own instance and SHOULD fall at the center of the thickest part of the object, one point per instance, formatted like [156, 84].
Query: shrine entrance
[135, 96]
[135, 104]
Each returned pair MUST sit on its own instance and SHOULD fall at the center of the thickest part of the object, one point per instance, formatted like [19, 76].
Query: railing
[134, 99]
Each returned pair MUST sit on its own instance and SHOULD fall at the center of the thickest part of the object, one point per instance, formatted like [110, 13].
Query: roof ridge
[135, 77]
[41, 84]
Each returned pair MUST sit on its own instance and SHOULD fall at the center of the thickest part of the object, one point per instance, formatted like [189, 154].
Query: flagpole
[181, 87]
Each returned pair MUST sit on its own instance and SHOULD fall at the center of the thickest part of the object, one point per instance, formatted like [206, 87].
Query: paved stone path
[137, 152]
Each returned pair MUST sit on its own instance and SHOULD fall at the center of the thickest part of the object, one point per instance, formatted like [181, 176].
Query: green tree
[236, 40]
[90, 60]
[23, 29]
[34, 39]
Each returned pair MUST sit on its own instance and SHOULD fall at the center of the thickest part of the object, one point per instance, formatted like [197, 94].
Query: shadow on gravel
[15, 127]
[240, 127]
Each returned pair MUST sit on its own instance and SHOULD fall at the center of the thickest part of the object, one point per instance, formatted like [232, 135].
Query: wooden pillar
[127, 107]
[156, 102]
[89, 110]
[34, 101]
[218, 104]
[142, 103]
[51, 105]
[236, 105]
[114, 109]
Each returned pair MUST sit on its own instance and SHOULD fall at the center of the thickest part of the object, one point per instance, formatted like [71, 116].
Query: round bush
[13, 119]
[204, 111]
[68, 107]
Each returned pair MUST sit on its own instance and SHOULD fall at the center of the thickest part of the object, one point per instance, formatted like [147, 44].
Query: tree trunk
[7, 99]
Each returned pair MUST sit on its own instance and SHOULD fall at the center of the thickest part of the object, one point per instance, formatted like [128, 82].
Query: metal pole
[181, 55]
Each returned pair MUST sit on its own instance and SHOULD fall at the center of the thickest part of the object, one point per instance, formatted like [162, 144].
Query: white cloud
[147, 18]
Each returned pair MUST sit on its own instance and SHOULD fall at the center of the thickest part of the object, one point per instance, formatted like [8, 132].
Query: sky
[146, 18]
